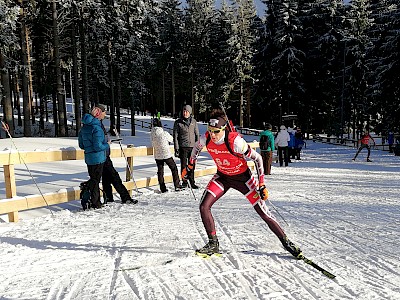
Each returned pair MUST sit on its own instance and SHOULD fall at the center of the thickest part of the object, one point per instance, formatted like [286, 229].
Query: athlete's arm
[198, 147]
[240, 146]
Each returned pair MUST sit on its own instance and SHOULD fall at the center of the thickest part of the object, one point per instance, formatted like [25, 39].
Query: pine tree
[383, 61]
[242, 43]
[169, 52]
[358, 16]
[200, 14]
[288, 64]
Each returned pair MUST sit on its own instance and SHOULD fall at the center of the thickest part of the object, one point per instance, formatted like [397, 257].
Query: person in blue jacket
[291, 144]
[298, 143]
[91, 138]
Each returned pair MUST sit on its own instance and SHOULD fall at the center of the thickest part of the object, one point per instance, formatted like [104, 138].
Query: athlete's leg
[213, 192]
[369, 151]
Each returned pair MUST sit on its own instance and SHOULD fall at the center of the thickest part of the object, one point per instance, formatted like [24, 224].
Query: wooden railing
[12, 204]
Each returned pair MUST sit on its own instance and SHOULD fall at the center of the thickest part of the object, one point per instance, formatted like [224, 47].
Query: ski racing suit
[233, 172]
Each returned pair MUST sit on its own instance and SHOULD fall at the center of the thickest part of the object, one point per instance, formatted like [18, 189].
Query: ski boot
[212, 247]
[292, 248]
[368, 160]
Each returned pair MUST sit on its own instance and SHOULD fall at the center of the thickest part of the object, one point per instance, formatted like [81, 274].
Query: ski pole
[190, 187]
[226, 116]
[278, 213]
[119, 139]
[6, 128]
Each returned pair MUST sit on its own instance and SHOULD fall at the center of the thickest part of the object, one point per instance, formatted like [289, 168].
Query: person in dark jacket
[391, 141]
[91, 139]
[111, 177]
[186, 134]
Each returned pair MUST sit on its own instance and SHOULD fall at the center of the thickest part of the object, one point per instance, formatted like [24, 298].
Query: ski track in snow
[344, 215]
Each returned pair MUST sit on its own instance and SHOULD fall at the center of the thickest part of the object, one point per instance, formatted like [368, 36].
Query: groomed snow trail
[344, 215]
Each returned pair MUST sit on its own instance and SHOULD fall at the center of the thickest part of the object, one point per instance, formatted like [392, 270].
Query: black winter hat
[157, 122]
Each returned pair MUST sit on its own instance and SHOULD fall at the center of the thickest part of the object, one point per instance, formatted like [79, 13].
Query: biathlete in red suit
[229, 152]
[365, 144]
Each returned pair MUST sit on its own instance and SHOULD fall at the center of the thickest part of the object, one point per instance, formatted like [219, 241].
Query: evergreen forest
[334, 66]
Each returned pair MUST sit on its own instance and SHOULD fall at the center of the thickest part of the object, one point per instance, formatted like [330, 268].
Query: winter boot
[212, 247]
[178, 188]
[194, 186]
[129, 200]
[292, 248]
[368, 160]
[163, 188]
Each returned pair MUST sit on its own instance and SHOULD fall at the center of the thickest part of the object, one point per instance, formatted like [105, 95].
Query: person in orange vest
[365, 144]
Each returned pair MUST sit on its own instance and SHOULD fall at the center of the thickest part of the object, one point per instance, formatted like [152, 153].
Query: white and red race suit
[233, 172]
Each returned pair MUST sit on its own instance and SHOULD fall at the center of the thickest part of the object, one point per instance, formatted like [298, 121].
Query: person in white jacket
[281, 142]
[160, 140]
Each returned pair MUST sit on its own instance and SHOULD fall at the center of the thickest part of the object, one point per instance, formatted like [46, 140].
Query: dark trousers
[184, 155]
[267, 161]
[283, 154]
[160, 170]
[298, 151]
[111, 177]
[95, 172]
[292, 153]
[362, 147]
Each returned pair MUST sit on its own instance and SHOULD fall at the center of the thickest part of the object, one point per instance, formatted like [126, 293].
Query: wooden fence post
[11, 189]
[129, 162]
[9, 180]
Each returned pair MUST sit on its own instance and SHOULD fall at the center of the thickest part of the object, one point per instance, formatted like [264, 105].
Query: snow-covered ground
[344, 215]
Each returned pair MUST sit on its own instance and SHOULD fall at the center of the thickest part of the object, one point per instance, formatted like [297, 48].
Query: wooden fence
[12, 204]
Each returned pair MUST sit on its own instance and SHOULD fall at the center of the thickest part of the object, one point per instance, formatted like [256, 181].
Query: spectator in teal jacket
[92, 139]
[267, 147]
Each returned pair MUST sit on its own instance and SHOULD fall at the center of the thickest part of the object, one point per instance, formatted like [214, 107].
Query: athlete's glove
[263, 192]
[176, 152]
[186, 172]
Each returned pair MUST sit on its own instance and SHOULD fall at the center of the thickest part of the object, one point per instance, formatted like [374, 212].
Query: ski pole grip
[5, 126]
[116, 140]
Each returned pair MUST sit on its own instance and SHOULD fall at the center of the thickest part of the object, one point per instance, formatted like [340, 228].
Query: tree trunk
[17, 103]
[55, 114]
[164, 109]
[85, 82]
[248, 106]
[62, 131]
[133, 109]
[112, 95]
[27, 101]
[241, 104]
[118, 103]
[77, 93]
[7, 100]
[173, 89]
